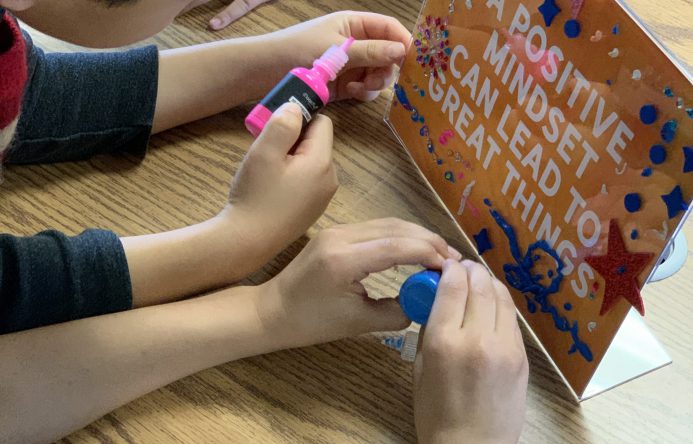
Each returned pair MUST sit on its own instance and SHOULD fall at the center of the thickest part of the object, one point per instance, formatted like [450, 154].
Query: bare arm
[202, 80]
[59, 378]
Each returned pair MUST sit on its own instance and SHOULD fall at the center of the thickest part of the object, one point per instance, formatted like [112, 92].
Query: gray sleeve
[77, 105]
[50, 278]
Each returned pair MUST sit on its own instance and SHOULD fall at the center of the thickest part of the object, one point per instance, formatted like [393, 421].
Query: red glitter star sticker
[620, 270]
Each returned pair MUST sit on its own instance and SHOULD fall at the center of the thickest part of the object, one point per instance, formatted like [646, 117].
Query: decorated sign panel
[560, 137]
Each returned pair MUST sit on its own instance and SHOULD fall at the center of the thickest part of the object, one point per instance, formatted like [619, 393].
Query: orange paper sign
[558, 135]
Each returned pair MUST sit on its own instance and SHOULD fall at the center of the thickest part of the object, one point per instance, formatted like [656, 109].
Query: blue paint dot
[668, 92]
[668, 131]
[422, 93]
[632, 202]
[615, 30]
[550, 273]
[648, 114]
[658, 154]
[634, 234]
[567, 306]
[647, 172]
[572, 28]
[448, 51]
[608, 81]
[439, 161]
[689, 111]
[487, 202]
[449, 176]
[421, 119]
[621, 270]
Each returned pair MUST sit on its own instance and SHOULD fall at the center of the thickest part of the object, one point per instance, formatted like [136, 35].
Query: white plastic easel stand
[635, 351]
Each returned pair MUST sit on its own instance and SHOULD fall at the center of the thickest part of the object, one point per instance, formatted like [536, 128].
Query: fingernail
[395, 51]
[215, 23]
[454, 253]
[290, 108]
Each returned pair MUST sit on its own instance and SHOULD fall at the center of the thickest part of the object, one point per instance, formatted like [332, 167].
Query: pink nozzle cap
[346, 45]
[334, 59]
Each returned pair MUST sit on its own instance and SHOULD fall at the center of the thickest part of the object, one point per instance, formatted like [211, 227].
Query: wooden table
[353, 390]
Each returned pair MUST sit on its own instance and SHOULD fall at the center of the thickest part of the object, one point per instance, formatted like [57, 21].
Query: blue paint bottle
[417, 294]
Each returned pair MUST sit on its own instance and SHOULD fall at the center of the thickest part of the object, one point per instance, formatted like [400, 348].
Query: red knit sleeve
[13, 69]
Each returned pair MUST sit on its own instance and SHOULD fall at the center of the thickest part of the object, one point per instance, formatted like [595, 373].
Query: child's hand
[277, 195]
[235, 10]
[319, 296]
[471, 374]
[381, 43]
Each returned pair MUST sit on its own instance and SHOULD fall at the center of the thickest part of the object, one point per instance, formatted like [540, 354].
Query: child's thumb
[281, 131]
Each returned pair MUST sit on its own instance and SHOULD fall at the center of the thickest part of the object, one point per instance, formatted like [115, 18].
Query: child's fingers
[393, 227]
[233, 12]
[377, 255]
[281, 132]
[358, 91]
[375, 53]
[383, 314]
[368, 25]
[378, 78]
[480, 314]
[450, 304]
[317, 141]
[506, 315]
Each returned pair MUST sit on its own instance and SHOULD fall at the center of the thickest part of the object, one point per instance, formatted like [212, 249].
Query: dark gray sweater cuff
[50, 278]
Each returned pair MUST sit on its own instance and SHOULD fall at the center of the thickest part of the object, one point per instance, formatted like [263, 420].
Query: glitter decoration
[679, 102]
[483, 243]
[468, 3]
[614, 53]
[668, 131]
[449, 176]
[632, 202]
[591, 325]
[572, 28]
[648, 114]
[637, 75]
[687, 159]
[549, 10]
[658, 154]
[674, 202]
[432, 46]
[597, 36]
[575, 7]
[451, 6]
[620, 269]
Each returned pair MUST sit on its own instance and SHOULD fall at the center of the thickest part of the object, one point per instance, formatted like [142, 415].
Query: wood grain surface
[353, 390]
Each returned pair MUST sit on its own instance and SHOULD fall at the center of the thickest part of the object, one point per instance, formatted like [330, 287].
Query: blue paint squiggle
[521, 276]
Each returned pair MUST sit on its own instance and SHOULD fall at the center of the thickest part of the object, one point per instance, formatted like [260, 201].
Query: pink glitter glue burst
[432, 46]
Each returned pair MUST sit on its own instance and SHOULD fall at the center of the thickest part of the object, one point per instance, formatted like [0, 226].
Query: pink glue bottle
[305, 87]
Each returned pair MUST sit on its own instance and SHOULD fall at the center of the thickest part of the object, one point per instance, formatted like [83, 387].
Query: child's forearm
[203, 80]
[59, 378]
[168, 266]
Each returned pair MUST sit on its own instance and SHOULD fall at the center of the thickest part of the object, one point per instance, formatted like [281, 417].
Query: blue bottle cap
[417, 294]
